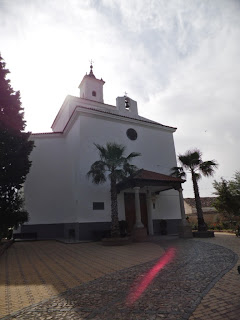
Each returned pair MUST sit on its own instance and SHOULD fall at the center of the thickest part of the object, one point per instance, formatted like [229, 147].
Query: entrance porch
[141, 192]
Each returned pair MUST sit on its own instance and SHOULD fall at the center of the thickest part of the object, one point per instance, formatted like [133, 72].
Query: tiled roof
[143, 174]
[138, 118]
[114, 112]
[206, 201]
[46, 133]
[145, 178]
[190, 201]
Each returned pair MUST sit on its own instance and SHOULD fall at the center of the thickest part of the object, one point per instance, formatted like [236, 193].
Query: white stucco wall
[188, 208]
[62, 116]
[167, 205]
[158, 154]
[57, 189]
[48, 188]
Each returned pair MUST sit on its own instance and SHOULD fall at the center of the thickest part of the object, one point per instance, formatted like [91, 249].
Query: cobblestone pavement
[201, 282]
[34, 271]
[223, 301]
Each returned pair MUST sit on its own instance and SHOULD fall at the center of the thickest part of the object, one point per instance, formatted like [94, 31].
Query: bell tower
[91, 88]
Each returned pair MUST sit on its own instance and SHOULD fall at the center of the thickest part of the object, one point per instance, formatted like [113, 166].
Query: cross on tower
[91, 65]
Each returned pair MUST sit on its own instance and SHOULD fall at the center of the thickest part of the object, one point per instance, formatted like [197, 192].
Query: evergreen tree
[14, 155]
[228, 200]
[234, 184]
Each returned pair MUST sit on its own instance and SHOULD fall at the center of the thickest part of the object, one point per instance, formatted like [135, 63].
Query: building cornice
[47, 134]
[124, 118]
[79, 100]
[104, 114]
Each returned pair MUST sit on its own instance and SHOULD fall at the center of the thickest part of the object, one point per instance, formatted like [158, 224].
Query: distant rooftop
[206, 201]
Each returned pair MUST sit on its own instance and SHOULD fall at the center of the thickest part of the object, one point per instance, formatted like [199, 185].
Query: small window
[98, 205]
[131, 134]
[94, 94]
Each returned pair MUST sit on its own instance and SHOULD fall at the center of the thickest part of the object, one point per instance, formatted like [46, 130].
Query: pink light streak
[142, 285]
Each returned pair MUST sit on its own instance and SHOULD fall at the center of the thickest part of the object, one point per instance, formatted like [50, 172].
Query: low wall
[73, 231]
[170, 226]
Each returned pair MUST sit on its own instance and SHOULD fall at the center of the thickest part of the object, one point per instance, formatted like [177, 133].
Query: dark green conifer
[15, 149]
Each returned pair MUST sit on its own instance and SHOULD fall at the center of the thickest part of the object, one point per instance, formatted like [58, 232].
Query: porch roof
[145, 178]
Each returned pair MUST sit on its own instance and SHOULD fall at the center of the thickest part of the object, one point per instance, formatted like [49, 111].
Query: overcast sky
[178, 59]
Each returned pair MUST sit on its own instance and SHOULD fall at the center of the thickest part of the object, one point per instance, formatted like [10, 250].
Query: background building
[210, 213]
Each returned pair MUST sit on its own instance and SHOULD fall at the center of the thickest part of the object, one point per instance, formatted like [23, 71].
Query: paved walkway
[201, 282]
[34, 271]
[223, 301]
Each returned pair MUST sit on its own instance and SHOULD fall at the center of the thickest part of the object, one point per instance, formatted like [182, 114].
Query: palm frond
[115, 151]
[112, 159]
[119, 174]
[129, 169]
[178, 172]
[191, 159]
[113, 155]
[208, 167]
[133, 155]
[102, 150]
[197, 175]
[97, 172]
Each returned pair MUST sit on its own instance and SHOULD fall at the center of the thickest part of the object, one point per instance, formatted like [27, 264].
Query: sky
[178, 59]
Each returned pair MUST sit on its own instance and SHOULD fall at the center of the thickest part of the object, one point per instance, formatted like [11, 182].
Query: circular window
[132, 134]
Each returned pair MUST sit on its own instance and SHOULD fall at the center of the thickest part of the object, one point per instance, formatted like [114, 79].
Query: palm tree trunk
[115, 232]
[201, 223]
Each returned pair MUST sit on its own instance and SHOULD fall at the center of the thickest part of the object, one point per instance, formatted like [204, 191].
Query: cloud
[178, 59]
[202, 97]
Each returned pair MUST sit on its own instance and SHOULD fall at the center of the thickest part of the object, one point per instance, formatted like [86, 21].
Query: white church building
[63, 203]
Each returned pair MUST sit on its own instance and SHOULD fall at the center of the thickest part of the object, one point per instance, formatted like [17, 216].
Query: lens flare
[142, 285]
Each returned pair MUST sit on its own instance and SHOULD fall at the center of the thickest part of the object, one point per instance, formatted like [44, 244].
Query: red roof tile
[150, 175]
[205, 201]
[42, 133]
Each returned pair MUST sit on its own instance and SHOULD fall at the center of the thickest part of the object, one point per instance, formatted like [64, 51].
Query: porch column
[183, 216]
[138, 223]
[149, 213]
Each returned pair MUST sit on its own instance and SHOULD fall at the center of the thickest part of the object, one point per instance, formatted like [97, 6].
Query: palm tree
[192, 161]
[114, 165]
